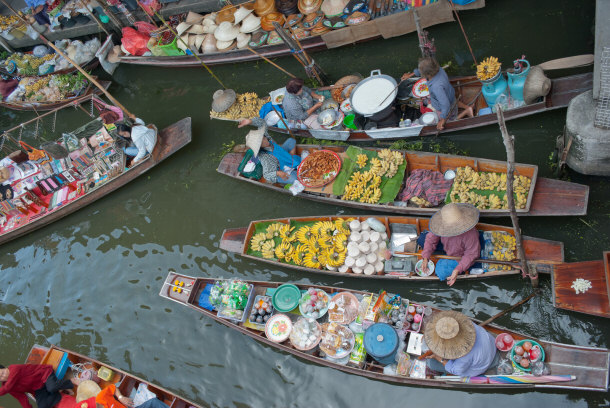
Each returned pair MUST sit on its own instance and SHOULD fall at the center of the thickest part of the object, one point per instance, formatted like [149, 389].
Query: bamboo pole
[513, 307]
[420, 33]
[510, 176]
[146, 13]
[282, 119]
[271, 62]
[82, 71]
[99, 23]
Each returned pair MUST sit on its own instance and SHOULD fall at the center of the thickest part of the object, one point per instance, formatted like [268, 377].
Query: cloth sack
[257, 172]
[444, 267]
[143, 394]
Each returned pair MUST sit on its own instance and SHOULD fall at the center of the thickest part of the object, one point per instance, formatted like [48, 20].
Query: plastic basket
[171, 49]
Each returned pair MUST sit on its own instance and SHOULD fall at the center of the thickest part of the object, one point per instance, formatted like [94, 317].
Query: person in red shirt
[455, 226]
[38, 379]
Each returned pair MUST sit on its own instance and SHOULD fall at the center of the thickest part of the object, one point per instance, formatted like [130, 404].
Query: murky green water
[90, 282]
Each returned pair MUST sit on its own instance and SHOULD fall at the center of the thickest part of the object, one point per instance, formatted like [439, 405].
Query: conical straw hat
[450, 335]
[86, 390]
[454, 219]
[226, 31]
[536, 85]
[241, 13]
[250, 24]
[193, 18]
[196, 29]
[182, 27]
[199, 40]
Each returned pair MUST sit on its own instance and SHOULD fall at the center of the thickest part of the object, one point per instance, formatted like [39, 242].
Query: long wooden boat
[547, 196]
[125, 382]
[383, 27]
[563, 90]
[50, 105]
[541, 254]
[169, 141]
[588, 365]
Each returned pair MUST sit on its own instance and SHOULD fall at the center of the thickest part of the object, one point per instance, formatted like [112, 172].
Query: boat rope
[20, 132]
[189, 48]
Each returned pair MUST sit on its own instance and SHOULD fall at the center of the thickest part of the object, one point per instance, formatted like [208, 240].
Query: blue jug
[516, 80]
[494, 87]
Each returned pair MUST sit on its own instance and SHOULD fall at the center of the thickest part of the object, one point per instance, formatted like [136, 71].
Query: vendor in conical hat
[459, 346]
[455, 227]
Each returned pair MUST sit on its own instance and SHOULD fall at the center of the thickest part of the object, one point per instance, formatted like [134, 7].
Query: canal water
[90, 282]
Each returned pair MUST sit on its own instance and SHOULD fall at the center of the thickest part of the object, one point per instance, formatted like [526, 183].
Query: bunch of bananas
[321, 245]
[34, 84]
[387, 164]
[246, 106]
[363, 187]
[488, 68]
[504, 246]
[7, 21]
[421, 202]
[361, 160]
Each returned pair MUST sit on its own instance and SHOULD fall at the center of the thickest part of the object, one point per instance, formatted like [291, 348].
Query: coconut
[355, 237]
[357, 270]
[351, 245]
[384, 236]
[349, 261]
[378, 266]
[361, 261]
[343, 268]
[371, 258]
[369, 270]
[364, 236]
[364, 247]
[353, 252]
[375, 236]
[373, 246]
[354, 225]
[365, 226]
[382, 245]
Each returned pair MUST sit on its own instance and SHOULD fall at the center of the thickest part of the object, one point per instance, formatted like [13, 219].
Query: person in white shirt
[143, 138]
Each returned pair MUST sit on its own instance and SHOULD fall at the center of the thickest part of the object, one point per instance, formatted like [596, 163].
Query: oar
[516, 305]
[568, 62]
[271, 62]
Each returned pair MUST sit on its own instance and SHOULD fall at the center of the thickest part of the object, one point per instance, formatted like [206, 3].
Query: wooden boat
[547, 196]
[588, 365]
[125, 382]
[46, 106]
[169, 140]
[541, 254]
[383, 27]
[469, 89]
[596, 300]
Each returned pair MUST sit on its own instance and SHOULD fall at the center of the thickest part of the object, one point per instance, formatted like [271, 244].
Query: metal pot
[373, 94]
[327, 117]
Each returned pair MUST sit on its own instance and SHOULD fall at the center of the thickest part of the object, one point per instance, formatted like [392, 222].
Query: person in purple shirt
[442, 94]
[455, 226]
[458, 346]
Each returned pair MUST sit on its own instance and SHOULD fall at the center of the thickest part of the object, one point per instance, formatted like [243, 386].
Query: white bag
[143, 394]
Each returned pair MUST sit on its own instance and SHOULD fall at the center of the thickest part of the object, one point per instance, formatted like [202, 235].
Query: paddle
[516, 305]
[568, 62]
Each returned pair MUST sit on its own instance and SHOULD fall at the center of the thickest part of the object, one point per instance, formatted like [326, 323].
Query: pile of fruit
[27, 64]
[322, 245]
[469, 186]
[49, 88]
[261, 310]
[7, 21]
[364, 186]
[488, 68]
[314, 303]
[246, 106]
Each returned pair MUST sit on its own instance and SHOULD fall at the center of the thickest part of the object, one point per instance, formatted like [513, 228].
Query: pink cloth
[467, 246]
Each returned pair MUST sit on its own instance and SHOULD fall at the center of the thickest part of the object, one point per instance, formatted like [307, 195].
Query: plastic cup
[417, 318]
[507, 339]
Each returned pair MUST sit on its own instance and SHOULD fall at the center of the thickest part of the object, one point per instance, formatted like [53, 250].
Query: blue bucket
[381, 343]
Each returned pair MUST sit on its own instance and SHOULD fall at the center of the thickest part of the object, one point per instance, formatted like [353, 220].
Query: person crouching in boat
[298, 103]
[458, 346]
[144, 139]
[90, 395]
[442, 94]
[279, 161]
[36, 379]
[455, 227]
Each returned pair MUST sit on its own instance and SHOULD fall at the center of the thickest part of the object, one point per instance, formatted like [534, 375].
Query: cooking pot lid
[373, 95]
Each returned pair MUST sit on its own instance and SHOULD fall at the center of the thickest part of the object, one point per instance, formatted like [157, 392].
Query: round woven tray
[341, 84]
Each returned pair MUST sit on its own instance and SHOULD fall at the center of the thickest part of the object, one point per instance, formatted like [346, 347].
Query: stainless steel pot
[373, 94]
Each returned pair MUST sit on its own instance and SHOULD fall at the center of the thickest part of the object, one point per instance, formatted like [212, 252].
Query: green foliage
[225, 149]
[444, 146]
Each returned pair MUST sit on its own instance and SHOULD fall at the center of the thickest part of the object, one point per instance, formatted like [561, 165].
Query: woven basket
[341, 84]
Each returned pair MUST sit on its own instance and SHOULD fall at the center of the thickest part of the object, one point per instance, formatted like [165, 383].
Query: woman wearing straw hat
[455, 227]
[459, 346]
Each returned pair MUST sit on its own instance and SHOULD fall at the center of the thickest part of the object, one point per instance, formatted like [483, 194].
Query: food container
[343, 308]
[278, 328]
[337, 340]
[314, 303]
[374, 94]
[105, 373]
[346, 106]
[327, 117]
[286, 298]
[306, 334]
[515, 358]
[381, 343]
[258, 305]
[309, 176]
[418, 268]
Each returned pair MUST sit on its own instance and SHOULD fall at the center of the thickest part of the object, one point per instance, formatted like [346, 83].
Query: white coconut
[354, 225]
[384, 236]
[364, 247]
[343, 268]
[349, 261]
[382, 245]
[371, 258]
[369, 270]
[357, 270]
[361, 261]
[365, 226]
[374, 236]
[355, 237]
[351, 245]
[378, 266]
[353, 252]
[373, 247]
[331, 268]
[365, 236]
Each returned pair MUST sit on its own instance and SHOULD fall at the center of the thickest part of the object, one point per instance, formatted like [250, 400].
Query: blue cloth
[35, 3]
[266, 108]
[282, 153]
[131, 151]
[153, 403]
[442, 94]
[478, 359]
[204, 298]
[444, 267]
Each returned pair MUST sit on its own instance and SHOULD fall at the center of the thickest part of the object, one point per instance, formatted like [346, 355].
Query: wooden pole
[513, 307]
[82, 71]
[510, 177]
[282, 119]
[117, 23]
[457, 16]
[99, 23]
[420, 33]
[272, 63]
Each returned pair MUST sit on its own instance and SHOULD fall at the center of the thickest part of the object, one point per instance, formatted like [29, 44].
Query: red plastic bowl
[505, 348]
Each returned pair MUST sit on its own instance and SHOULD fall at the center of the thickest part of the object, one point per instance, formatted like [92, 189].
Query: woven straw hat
[223, 99]
[268, 19]
[5, 174]
[450, 335]
[242, 40]
[210, 17]
[454, 219]
[86, 390]
[357, 17]
[209, 26]
[250, 24]
[199, 40]
[264, 7]
[536, 85]
[193, 18]
[225, 14]
[183, 45]
[226, 31]
[182, 27]
[209, 44]
[240, 14]
[196, 29]
[333, 8]
[254, 139]
[309, 6]
[225, 45]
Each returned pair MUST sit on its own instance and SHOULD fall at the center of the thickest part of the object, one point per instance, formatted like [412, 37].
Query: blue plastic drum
[381, 343]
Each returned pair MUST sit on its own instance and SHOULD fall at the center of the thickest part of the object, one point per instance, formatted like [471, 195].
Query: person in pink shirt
[455, 226]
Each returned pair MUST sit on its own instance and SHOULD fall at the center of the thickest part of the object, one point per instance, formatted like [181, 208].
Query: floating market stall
[377, 247]
[377, 335]
[422, 182]
[82, 367]
[42, 185]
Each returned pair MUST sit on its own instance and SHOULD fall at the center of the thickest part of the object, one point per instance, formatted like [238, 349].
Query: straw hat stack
[287, 7]
[226, 14]
[268, 19]
[264, 7]
[333, 8]
[309, 6]
[450, 335]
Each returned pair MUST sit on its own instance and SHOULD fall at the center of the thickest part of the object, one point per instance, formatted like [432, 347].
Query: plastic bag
[144, 27]
[46, 67]
[134, 42]
[143, 394]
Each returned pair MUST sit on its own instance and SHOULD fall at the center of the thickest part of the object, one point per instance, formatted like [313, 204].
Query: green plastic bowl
[520, 343]
[286, 298]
